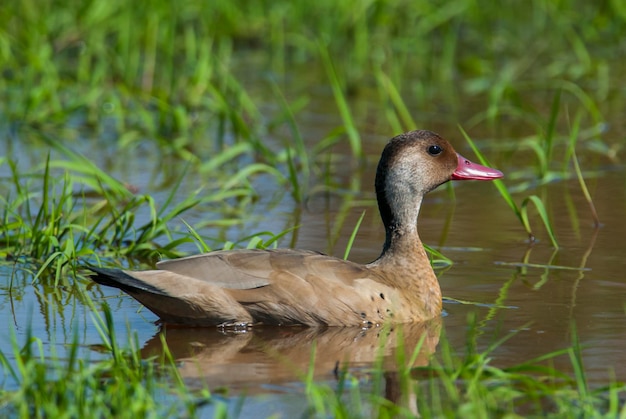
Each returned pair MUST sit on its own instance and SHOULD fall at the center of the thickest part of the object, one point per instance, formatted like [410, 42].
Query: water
[542, 296]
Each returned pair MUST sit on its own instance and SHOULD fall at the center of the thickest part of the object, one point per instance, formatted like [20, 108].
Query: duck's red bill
[467, 170]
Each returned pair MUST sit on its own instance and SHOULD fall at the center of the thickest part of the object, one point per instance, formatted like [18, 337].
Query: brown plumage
[287, 286]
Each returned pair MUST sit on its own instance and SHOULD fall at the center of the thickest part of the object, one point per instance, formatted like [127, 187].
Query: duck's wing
[239, 269]
[279, 286]
[309, 288]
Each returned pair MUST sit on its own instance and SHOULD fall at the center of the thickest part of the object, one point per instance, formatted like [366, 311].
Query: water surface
[505, 282]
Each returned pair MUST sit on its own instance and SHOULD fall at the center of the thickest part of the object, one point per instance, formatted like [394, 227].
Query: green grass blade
[573, 137]
[353, 236]
[549, 135]
[543, 214]
[342, 103]
[499, 184]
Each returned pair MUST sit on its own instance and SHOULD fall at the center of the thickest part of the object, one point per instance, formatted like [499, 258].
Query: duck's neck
[403, 259]
[399, 205]
[401, 230]
[403, 251]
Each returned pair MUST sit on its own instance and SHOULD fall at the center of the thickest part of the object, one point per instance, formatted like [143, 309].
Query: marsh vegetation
[137, 131]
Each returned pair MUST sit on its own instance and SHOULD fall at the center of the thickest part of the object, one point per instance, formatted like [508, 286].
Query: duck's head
[415, 163]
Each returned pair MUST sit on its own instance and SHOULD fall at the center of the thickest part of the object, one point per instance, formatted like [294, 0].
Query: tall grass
[69, 210]
[155, 67]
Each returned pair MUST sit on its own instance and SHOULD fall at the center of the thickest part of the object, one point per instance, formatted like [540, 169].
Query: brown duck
[287, 286]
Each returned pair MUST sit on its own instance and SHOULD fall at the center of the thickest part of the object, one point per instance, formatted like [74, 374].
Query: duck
[284, 286]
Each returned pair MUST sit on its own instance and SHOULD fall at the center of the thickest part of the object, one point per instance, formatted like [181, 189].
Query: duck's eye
[434, 150]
